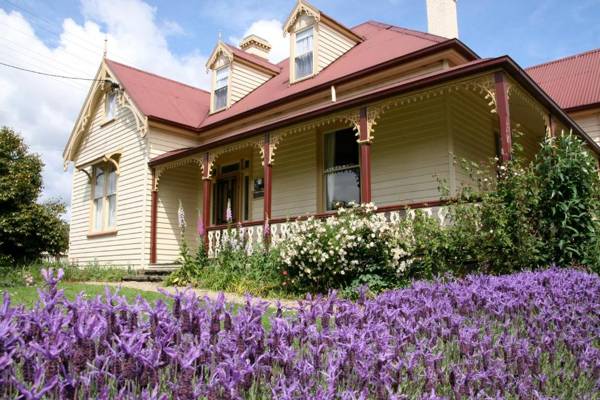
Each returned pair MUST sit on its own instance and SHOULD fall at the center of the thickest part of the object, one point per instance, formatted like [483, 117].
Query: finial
[105, 46]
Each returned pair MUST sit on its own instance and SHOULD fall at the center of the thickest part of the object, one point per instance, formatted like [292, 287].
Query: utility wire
[54, 75]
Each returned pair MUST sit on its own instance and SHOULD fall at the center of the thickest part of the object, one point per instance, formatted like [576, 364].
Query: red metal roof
[254, 59]
[171, 101]
[156, 96]
[573, 82]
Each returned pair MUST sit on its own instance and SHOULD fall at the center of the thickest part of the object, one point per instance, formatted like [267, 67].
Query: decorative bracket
[141, 121]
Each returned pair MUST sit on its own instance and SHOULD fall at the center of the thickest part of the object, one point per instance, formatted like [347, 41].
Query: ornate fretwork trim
[141, 121]
[302, 8]
[517, 91]
[191, 160]
[213, 154]
[219, 49]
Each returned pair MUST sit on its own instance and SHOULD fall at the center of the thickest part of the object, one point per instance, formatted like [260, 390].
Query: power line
[54, 75]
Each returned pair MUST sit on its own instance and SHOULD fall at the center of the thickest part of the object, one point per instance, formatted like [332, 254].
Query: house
[574, 83]
[373, 113]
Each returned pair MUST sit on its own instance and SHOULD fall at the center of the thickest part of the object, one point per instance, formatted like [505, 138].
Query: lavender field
[524, 336]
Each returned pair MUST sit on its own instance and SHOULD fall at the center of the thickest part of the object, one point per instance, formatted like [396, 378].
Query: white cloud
[44, 109]
[272, 31]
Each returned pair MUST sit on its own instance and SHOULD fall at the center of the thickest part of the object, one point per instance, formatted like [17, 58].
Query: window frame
[107, 169]
[294, 78]
[226, 86]
[324, 172]
[110, 98]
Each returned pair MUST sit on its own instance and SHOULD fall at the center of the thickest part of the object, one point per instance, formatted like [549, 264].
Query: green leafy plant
[27, 228]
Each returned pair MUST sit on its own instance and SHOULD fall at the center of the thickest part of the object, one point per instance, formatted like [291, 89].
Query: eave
[504, 63]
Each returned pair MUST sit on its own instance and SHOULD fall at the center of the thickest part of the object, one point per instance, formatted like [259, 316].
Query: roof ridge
[566, 58]
[157, 76]
[407, 31]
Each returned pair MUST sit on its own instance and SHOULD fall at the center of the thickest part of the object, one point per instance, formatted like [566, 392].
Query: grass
[28, 295]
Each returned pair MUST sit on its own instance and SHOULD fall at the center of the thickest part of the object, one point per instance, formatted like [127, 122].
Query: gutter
[504, 62]
[455, 44]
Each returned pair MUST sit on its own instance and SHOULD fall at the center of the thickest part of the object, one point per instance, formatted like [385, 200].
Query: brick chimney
[256, 45]
[442, 19]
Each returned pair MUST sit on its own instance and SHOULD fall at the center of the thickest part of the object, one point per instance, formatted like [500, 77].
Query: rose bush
[333, 253]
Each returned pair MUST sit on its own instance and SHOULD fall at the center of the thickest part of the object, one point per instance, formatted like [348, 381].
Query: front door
[226, 195]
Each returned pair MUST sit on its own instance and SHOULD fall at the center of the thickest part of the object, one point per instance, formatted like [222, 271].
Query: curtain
[304, 53]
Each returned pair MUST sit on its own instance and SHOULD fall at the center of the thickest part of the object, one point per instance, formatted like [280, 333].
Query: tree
[27, 228]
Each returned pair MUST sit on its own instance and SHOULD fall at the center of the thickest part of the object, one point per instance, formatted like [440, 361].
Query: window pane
[111, 105]
[341, 149]
[220, 98]
[112, 182]
[222, 77]
[342, 188]
[98, 183]
[98, 206]
[112, 210]
[304, 65]
[304, 41]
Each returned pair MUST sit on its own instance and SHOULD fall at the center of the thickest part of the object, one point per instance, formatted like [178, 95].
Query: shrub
[569, 204]
[332, 253]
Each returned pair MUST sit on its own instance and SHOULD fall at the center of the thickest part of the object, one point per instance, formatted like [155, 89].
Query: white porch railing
[250, 236]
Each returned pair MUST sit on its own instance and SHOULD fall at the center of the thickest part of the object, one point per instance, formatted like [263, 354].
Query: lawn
[28, 295]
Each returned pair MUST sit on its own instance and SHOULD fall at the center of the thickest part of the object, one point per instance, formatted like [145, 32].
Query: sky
[174, 38]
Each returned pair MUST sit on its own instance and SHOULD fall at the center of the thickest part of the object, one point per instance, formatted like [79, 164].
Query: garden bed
[527, 335]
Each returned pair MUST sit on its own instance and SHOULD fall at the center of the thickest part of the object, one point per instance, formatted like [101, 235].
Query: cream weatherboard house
[374, 113]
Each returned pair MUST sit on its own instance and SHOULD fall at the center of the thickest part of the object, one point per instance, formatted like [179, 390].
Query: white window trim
[105, 229]
[315, 50]
[325, 172]
[214, 86]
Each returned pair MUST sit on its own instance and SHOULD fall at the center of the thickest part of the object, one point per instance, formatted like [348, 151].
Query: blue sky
[531, 31]
[174, 38]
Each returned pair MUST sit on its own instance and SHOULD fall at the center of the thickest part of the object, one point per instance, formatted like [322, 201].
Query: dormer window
[303, 62]
[221, 82]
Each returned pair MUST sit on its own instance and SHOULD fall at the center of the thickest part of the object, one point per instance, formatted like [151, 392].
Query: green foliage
[232, 270]
[27, 228]
[568, 201]
[30, 274]
[332, 253]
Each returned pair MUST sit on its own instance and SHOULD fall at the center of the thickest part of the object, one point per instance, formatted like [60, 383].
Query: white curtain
[304, 53]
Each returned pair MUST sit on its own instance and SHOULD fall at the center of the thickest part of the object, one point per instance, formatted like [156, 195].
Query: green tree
[27, 228]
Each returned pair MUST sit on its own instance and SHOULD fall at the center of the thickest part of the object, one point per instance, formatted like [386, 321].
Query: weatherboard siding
[409, 153]
[244, 80]
[126, 246]
[332, 45]
[590, 123]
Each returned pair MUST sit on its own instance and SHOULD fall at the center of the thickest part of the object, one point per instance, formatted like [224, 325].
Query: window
[341, 169]
[104, 196]
[110, 106]
[220, 96]
[303, 63]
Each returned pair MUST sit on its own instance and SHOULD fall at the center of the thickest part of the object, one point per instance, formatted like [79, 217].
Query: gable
[92, 116]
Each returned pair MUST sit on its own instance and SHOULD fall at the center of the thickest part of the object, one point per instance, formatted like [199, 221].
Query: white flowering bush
[337, 251]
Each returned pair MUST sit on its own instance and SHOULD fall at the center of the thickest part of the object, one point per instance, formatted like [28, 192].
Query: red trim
[153, 217]
[206, 188]
[268, 190]
[503, 111]
[396, 207]
[582, 107]
[365, 158]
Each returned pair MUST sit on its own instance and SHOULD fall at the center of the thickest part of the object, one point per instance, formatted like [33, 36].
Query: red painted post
[502, 108]
[365, 158]
[206, 187]
[267, 188]
[153, 216]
